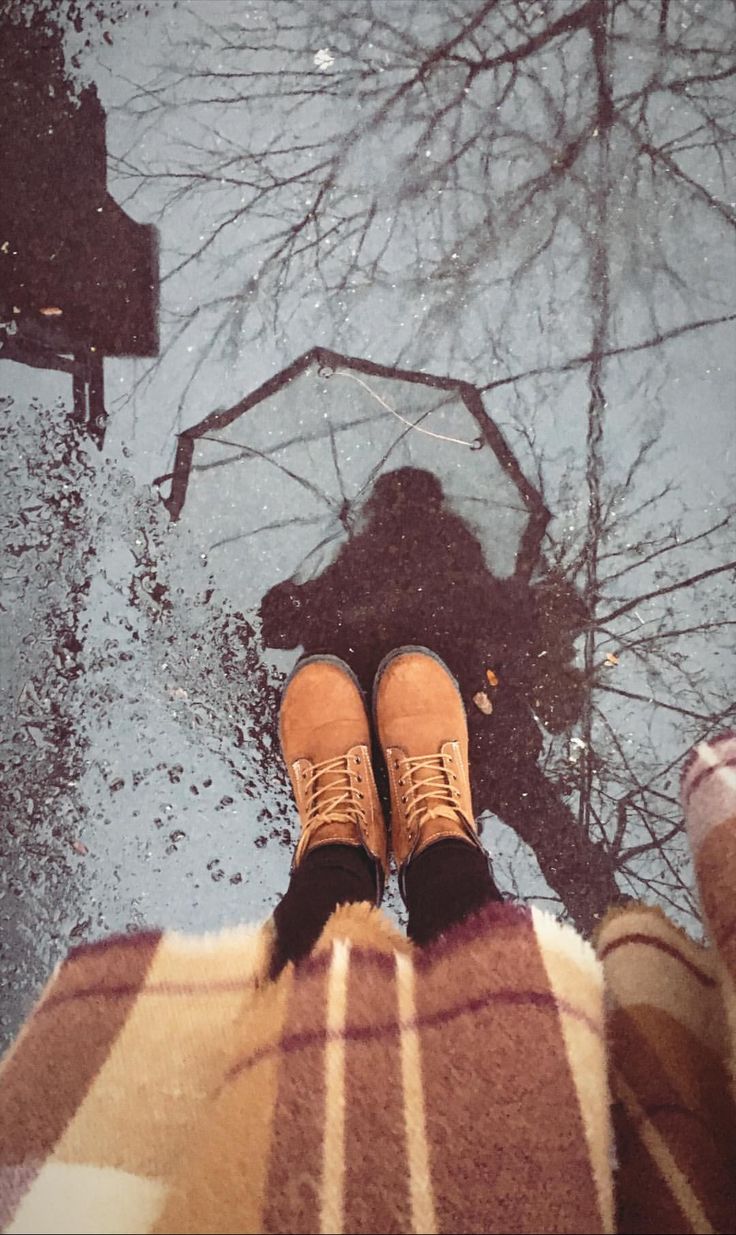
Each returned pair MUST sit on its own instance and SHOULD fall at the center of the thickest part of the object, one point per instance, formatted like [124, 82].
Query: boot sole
[402, 651]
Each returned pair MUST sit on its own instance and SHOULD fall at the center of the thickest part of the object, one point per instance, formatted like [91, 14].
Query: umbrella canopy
[272, 488]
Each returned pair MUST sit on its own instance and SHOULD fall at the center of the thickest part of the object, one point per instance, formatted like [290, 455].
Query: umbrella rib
[326, 541]
[384, 458]
[259, 454]
[267, 527]
[336, 461]
[306, 439]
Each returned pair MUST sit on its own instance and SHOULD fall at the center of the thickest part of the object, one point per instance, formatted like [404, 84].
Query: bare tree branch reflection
[624, 115]
[540, 196]
[533, 196]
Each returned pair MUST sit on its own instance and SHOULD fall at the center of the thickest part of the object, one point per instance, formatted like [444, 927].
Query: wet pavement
[336, 327]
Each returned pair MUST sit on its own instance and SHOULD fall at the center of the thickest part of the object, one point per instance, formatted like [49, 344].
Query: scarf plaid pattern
[164, 1083]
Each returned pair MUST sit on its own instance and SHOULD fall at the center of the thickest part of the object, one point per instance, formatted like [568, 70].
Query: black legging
[444, 884]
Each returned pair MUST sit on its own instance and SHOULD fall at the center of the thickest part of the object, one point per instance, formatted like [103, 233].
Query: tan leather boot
[423, 731]
[325, 741]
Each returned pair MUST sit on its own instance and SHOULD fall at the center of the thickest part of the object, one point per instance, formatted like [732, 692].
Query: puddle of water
[179, 237]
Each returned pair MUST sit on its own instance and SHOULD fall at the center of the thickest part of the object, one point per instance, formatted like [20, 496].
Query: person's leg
[341, 855]
[442, 885]
[329, 875]
[443, 868]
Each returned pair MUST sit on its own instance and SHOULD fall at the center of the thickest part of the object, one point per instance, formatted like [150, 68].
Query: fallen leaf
[492, 677]
[611, 658]
[483, 703]
[52, 310]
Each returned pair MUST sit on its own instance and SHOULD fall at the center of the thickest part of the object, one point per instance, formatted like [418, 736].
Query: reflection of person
[322, 1073]
[414, 572]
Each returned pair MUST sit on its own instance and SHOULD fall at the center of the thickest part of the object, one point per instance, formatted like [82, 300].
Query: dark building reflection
[78, 276]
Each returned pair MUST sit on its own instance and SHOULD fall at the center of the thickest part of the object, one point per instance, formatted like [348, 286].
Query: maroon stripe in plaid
[371, 958]
[139, 940]
[703, 775]
[728, 735]
[510, 998]
[295, 1141]
[725, 935]
[156, 988]
[651, 1110]
[376, 1166]
[661, 945]
[61, 1057]
[497, 919]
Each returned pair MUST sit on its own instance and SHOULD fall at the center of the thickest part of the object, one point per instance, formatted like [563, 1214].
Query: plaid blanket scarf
[509, 1078]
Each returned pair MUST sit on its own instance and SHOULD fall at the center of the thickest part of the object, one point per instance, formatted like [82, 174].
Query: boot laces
[333, 794]
[435, 794]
